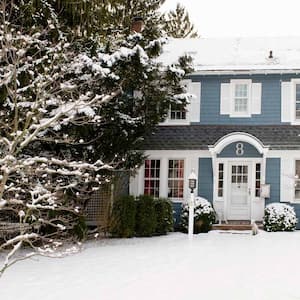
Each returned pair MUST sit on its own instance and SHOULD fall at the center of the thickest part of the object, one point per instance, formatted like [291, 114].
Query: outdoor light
[192, 185]
[192, 181]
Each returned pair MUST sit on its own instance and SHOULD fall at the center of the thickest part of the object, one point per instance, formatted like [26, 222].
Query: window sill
[297, 122]
[175, 122]
[239, 116]
[177, 200]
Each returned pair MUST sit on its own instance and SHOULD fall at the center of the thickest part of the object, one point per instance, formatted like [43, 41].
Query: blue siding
[248, 151]
[176, 214]
[270, 102]
[273, 178]
[205, 180]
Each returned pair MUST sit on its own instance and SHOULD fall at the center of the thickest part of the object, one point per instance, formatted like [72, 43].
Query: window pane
[297, 92]
[220, 180]
[175, 178]
[257, 180]
[178, 112]
[241, 90]
[241, 98]
[297, 179]
[298, 168]
[151, 177]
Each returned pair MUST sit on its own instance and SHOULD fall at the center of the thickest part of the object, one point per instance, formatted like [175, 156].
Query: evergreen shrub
[123, 217]
[164, 216]
[204, 216]
[146, 222]
[279, 217]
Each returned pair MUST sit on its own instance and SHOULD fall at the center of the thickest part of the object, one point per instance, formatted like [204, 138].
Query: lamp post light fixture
[192, 185]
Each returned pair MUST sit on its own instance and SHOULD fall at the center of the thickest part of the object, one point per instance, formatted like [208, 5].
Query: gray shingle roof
[199, 137]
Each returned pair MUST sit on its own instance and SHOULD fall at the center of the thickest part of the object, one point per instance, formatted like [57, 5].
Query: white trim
[191, 161]
[295, 200]
[233, 84]
[184, 176]
[250, 186]
[286, 102]
[247, 72]
[294, 82]
[257, 204]
[186, 121]
[236, 137]
[221, 203]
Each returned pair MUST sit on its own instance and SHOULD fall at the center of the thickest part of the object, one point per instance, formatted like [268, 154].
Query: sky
[239, 18]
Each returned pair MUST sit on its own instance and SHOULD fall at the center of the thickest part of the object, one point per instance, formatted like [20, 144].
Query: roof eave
[246, 72]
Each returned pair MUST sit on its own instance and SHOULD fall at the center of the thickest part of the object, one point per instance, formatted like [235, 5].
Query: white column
[191, 216]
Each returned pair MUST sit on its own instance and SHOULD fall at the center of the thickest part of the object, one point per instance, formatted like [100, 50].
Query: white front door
[238, 203]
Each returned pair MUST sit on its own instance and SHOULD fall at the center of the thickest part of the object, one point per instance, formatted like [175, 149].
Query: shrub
[164, 216]
[80, 229]
[204, 216]
[123, 217]
[145, 216]
[279, 217]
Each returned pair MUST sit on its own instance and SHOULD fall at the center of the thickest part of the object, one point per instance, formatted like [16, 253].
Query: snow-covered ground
[213, 266]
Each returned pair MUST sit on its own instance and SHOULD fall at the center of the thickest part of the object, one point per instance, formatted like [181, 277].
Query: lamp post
[192, 185]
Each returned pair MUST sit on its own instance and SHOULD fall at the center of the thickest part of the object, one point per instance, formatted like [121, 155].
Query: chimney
[271, 54]
[137, 24]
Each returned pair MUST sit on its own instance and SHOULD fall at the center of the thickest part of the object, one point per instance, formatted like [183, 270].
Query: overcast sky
[216, 18]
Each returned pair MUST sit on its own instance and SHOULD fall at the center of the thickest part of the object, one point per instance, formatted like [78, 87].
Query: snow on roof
[228, 54]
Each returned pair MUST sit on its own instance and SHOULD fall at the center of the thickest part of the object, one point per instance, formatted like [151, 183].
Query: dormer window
[177, 112]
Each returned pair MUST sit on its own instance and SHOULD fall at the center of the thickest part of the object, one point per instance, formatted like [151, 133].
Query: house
[240, 132]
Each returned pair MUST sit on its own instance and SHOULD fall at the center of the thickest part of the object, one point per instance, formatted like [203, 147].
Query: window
[176, 178]
[220, 180]
[257, 179]
[241, 98]
[177, 112]
[151, 177]
[297, 180]
[297, 92]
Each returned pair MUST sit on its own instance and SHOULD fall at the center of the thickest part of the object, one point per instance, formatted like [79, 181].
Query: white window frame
[295, 180]
[293, 94]
[185, 121]
[174, 178]
[181, 111]
[233, 84]
[152, 178]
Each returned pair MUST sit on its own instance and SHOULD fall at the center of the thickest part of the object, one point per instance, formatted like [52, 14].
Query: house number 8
[239, 149]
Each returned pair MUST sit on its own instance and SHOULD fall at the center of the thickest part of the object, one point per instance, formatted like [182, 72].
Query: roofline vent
[271, 54]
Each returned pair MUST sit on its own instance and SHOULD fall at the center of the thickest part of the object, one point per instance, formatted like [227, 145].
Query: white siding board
[286, 102]
[225, 99]
[256, 99]
[287, 180]
[195, 103]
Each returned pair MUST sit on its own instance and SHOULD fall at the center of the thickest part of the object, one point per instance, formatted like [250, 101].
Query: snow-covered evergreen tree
[71, 108]
[178, 23]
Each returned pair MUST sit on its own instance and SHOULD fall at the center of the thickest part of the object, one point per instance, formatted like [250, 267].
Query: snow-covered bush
[204, 216]
[279, 217]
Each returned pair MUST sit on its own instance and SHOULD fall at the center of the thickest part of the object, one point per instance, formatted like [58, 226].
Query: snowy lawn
[217, 266]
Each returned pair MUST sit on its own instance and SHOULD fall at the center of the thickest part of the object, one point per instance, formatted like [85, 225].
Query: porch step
[236, 225]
